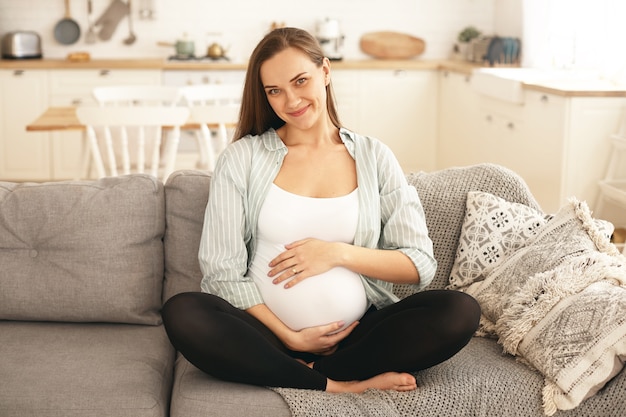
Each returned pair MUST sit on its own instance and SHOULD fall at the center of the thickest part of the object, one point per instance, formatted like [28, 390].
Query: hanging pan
[67, 30]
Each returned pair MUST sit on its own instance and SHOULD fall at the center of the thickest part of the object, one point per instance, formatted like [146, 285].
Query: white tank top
[335, 295]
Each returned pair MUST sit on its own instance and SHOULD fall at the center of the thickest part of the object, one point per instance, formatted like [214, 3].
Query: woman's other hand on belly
[303, 259]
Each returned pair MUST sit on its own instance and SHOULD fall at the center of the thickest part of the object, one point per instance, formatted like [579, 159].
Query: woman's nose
[293, 99]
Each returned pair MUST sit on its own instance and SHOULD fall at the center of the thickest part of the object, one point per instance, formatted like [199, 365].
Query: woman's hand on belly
[320, 340]
[303, 259]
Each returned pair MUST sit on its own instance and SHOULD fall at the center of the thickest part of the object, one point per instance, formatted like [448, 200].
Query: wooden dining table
[64, 118]
[56, 118]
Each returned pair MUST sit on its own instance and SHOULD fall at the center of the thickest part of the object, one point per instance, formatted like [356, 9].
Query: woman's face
[296, 88]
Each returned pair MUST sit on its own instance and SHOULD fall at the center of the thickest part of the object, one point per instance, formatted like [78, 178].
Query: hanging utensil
[111, 17]
[90, 36]
[131, 35]
[67, 30]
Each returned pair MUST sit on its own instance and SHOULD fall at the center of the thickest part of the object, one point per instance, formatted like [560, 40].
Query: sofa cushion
[84, 370]
[196, 394]
[186, 195]
[82, 251]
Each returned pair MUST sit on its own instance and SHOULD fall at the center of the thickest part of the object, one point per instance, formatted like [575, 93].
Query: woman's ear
[326, 70]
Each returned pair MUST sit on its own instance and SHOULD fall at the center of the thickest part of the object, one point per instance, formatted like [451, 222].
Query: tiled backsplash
[241, 23]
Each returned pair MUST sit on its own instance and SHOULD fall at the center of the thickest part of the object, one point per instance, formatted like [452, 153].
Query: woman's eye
[300, 81]
[273, 91]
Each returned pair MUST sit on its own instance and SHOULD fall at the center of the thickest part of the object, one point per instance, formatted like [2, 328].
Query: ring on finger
[294, 270]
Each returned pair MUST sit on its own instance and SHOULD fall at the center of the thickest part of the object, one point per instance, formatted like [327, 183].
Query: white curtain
[576, 34]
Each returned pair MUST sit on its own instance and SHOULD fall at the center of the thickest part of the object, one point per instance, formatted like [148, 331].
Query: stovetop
[193, 58]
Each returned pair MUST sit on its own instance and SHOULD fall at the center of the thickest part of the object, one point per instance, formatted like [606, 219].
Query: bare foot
[387, 381]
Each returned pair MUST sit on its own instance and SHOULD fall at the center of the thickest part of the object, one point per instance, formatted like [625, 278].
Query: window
[573, 34]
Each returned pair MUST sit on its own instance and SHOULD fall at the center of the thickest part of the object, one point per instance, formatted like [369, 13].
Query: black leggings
[415, 333]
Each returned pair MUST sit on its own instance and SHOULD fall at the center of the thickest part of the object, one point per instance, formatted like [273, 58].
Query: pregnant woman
[307, 228]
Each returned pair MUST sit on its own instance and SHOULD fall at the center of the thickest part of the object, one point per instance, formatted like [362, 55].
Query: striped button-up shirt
[391, 215]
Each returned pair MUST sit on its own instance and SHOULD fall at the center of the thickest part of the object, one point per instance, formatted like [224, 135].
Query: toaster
[21, 45]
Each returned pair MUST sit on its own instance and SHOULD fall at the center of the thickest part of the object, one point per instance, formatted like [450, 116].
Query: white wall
[508, 18]
[243, 22]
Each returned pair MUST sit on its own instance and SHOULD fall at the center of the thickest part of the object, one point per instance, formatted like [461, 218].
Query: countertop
[563, 88]
[164, 64]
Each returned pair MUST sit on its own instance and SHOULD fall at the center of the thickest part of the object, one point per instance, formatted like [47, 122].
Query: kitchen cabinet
[73, 88]
[397, 106]
[559, 144]
[23, 96]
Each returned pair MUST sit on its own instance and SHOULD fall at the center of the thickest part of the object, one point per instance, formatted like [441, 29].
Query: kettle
[216, 51]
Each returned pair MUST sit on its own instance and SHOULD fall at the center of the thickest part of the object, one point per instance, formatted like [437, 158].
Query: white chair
[129, 95]
[215, 107]
[136, 127]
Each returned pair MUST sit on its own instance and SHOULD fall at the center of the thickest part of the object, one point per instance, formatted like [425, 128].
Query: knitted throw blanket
[371, 403]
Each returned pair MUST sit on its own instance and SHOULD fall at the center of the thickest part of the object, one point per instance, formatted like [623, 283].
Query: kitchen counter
[580, 88]
[165, 64]
[568, 88]
[21, 64]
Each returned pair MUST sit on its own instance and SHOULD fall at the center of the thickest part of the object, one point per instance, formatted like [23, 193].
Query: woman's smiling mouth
[298, 113]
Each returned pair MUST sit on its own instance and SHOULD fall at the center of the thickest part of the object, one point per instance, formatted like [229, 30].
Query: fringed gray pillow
[559, 304]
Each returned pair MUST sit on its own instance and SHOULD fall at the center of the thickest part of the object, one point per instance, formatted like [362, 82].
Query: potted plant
[464, 38]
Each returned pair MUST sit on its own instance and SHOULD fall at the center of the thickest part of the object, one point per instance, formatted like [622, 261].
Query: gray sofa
[86, 265]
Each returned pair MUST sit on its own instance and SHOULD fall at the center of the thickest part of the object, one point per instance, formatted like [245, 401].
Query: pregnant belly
[336, 295]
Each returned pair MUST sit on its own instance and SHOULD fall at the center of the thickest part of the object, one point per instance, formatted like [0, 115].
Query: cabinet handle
[489, 118]
[104, 73]
[468, 78]
[77, 102]
[544, 98]
[18, 73]
[511, 125]
[446, 74]
[399, 73]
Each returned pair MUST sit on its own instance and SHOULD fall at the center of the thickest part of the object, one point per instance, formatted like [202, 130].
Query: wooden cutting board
[391, 45]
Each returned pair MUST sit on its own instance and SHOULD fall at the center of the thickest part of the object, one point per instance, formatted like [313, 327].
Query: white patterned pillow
[492, 229]
[560, 305]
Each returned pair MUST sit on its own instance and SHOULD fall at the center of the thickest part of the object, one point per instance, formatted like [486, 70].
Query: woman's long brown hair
[256, 115]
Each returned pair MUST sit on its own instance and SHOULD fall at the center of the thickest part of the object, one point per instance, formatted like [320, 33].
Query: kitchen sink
[507, 83]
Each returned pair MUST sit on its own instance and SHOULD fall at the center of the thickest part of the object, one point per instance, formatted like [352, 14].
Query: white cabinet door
[23, 97]
[458, 142]
[541, 165]
[73, 88]
[399, 107]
